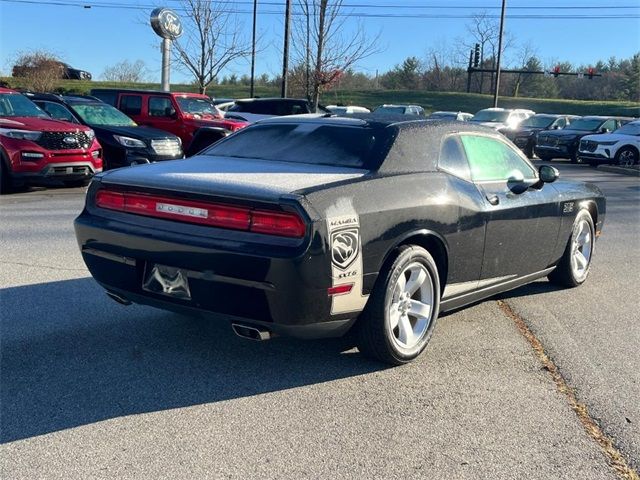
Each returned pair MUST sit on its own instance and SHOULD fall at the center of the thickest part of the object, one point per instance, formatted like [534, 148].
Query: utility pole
[497, 86]
[308, 60]
[285, 59]
[253, 50]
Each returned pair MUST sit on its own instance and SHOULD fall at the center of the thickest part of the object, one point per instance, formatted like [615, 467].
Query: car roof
[148, 92]
[269, 99]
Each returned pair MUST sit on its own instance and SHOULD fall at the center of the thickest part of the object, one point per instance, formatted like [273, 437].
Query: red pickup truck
[35, 147]
[179, 113]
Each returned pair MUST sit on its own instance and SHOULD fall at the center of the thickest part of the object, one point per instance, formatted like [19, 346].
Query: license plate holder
[165, 280]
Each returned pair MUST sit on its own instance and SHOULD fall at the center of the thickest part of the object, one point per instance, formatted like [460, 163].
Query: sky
[115, 30]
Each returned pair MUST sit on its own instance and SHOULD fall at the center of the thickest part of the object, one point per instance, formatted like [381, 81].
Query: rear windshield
[304, 143]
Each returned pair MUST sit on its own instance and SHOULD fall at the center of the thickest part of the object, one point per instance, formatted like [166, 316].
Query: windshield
[198, 106]
[389, 110]
[538, 122]
[17, 105]
[491, 116]
[586, 124]
[629, 129]
[102, 114]
[301, 143]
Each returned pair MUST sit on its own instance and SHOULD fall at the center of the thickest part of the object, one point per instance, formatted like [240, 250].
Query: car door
[131, 105]
[161, 114]
[522, 218]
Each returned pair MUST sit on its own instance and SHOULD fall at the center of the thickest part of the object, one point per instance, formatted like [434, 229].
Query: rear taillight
[283, 224]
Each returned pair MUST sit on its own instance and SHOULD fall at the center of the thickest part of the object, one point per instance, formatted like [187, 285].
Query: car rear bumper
[250, 287]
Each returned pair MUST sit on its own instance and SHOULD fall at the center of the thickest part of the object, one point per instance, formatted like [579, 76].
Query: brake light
[110, 200]
[274, 223]
[282, 224]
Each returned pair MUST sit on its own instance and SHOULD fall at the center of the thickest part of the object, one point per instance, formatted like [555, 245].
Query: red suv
[34, 147]
[179, 113]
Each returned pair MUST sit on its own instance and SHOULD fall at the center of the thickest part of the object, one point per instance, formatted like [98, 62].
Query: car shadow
[72, 357]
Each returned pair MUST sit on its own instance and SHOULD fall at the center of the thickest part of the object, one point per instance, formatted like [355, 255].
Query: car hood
[143, 133]
[40, 124]
[240, 177]
[566, 132]
[611, 137]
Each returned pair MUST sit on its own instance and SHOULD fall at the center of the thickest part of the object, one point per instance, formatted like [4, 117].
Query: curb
[634, 172]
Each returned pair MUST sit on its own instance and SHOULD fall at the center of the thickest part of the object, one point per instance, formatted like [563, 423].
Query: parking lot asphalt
[92, 389]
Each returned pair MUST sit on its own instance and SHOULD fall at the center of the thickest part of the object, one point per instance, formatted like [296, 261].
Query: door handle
[493, 199]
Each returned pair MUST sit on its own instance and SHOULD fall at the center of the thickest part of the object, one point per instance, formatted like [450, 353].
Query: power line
[121, 6]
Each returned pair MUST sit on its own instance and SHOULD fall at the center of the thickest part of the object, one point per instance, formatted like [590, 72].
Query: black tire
[528, 151]
[5, 177]
[566, 274]
[375, 335]
[575, 158]
[626, 157]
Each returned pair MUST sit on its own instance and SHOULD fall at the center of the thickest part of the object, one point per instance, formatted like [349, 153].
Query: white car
[500, 118]
[620, 146]
[346, 109]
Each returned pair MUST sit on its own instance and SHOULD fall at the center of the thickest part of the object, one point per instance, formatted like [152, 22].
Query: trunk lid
[230, 176]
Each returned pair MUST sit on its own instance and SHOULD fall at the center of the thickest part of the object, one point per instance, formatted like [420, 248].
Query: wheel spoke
[402, 282]
[405, 334]
[581, 260]
[394, 316]
[417, 278]
[419, 309]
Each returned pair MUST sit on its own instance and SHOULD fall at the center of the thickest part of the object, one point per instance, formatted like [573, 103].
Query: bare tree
[40, 69]
[126, 71]
[327, 47]
[485, 30]
[211, 40]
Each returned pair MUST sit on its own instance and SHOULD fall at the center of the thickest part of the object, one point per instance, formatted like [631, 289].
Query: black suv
[123, 141]
[564, 143]
[524, 135]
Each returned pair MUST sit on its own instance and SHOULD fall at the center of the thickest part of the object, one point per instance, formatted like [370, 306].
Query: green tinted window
[493, 160]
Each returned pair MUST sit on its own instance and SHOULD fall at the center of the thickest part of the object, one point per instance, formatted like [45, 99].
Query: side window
[609, 125]
[160, 107]
[59, 112]
[453, 159]
[131, 104]
[493, 160]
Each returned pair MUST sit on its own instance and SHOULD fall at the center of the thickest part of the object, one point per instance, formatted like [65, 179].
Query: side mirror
[548, 174]
[170, 112]
[604, 130]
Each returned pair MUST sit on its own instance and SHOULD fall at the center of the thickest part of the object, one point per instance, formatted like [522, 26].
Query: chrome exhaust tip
[121, 300]
[259, 334]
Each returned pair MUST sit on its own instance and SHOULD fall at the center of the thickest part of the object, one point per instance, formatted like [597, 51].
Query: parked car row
[127, 127]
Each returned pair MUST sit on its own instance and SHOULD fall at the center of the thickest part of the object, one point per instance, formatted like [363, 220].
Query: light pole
[285, 58]
[495, 93]
[253, 50]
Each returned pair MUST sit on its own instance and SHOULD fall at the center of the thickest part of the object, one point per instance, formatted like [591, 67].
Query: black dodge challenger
[312, 226]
